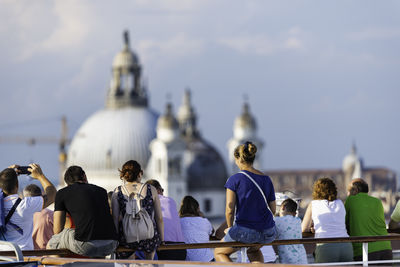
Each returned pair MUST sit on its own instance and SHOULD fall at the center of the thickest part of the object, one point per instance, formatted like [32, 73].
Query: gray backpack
[137, 223]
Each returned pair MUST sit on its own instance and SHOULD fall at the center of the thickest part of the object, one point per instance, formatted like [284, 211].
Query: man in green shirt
[365, 217]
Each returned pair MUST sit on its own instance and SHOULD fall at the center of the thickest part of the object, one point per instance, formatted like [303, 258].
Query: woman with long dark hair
[195, 229]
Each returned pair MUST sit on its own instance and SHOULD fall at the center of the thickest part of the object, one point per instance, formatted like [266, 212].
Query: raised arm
[230, 207]
[49, 189]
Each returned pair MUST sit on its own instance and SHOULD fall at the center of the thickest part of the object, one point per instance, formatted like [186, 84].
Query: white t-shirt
[197, 230]
[22, 217]
[329, 218]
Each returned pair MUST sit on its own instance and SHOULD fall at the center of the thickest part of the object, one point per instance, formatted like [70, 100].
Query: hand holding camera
[32, 170]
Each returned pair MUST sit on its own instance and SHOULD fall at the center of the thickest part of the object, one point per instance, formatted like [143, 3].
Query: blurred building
[382, 181]
[169, 149]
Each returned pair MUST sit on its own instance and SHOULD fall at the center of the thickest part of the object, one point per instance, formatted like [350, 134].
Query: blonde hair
[246, 152]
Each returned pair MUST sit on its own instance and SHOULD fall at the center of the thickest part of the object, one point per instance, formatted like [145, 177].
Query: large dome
[112, 136]
[204, 165]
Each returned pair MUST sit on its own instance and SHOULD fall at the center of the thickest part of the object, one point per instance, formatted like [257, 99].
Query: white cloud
[69, 28]
[293, 43]
[261, 44]
[374, 34]
[175, 48]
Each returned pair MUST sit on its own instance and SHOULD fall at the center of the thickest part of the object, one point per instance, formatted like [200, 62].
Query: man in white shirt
[23, 215]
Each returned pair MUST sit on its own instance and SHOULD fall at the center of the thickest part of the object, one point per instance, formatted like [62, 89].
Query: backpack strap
[10, 213]
[135, 195]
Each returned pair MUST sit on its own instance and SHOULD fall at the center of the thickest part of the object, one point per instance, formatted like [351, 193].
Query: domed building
[185, 163]
[122, 130]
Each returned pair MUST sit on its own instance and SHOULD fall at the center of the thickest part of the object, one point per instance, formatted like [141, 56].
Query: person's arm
[307, 220]
[272, 207]
[115, 210]
[395, 217]
[49, 189]
[59, 221]
[220, 232]
[158, 213]
[230, 207]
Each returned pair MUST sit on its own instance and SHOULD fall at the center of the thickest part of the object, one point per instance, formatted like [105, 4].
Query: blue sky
[318, 74]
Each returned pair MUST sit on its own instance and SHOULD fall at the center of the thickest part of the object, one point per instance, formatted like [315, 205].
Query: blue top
[251, 209]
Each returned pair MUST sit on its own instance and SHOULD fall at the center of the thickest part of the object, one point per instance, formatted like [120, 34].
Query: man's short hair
[154, 183]
[8, 180]
[359, 186]
[32, 190]
[289, 205]
[74, 174]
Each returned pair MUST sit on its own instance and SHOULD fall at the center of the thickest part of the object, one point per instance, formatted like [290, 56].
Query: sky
[318, 75]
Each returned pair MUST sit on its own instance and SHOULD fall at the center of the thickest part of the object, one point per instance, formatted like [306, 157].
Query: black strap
[12, 210]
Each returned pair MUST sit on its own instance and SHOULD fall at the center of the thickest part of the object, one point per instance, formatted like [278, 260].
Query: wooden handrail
[218, 244]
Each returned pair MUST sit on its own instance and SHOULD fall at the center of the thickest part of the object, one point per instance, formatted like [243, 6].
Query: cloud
[175, 48]
[259, 45]
[69, 28]
[374, 34]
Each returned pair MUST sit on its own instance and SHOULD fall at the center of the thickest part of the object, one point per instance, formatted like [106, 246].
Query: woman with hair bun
[328, 215]
[131, 174]
[251, 193]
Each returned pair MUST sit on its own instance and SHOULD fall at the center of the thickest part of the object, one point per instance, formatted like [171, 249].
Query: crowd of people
[93, 223]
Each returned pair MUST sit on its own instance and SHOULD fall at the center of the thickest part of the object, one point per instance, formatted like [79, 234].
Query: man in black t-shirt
[94, 234]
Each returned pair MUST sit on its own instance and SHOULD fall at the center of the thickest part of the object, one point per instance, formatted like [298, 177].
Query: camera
[23, 170]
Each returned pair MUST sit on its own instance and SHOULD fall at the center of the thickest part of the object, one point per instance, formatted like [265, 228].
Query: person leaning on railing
[365, 217]
[328, 215]
[252, 194]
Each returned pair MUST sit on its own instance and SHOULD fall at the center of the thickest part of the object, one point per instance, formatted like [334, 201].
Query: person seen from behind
[20, 225]
[42, 221]
[195, 229]
[172, 226]
[288, 226]
[327, 213]
[94, 233]
[131, 175]
[250, 193]
[365, 217]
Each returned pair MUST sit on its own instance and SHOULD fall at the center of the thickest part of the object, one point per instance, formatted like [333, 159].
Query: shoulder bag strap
[10, 213]
[259, 188]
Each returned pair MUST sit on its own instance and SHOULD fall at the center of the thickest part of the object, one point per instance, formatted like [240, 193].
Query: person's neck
[250, 168]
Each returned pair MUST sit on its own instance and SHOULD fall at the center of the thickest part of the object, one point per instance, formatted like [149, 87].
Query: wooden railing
[218, 244]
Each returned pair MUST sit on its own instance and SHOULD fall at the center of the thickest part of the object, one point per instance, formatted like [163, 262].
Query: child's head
[288, 207]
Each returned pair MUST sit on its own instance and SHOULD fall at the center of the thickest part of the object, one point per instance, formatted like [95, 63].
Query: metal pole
[365, 253]
[243, 254]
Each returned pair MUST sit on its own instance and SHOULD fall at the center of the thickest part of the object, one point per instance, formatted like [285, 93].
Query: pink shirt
[42, 228]
[172, 225]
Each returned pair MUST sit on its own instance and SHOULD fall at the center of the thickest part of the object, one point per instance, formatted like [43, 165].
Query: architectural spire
[126, 88]
[126, 39]
[187, 117]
